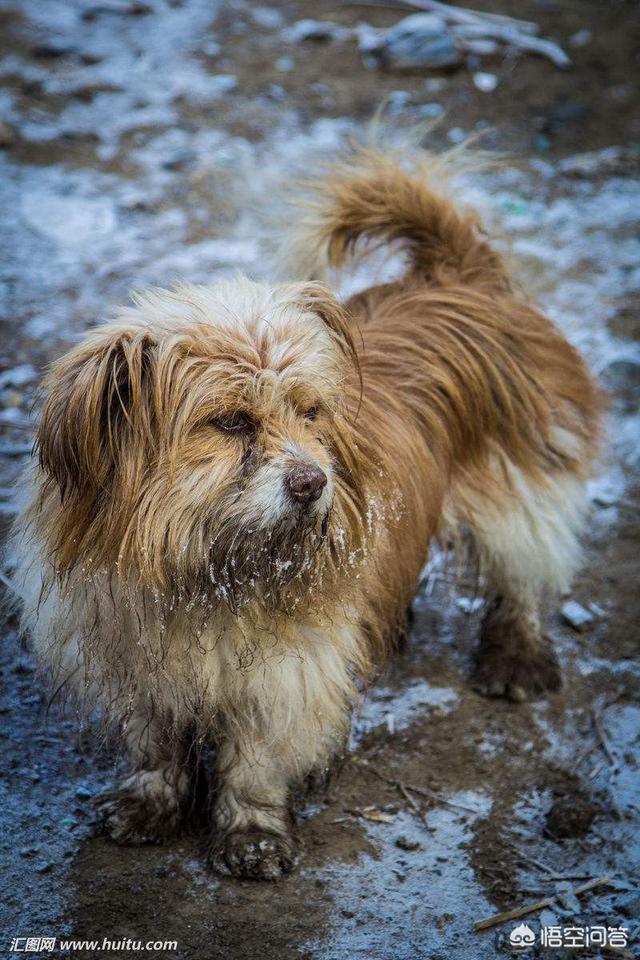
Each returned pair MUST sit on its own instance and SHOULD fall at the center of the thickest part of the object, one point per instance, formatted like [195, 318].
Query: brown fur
[166, 572]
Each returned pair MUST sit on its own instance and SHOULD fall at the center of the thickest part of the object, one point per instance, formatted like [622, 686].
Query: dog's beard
[276, 567]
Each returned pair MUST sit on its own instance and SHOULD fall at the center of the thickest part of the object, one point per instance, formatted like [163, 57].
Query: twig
[535, 907]
[420, 791]
[414, 806]
[602, 737]
[463, 15]
[530, 860]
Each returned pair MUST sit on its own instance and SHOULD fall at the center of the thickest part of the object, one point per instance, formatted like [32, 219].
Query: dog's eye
[312, 412]
[235, 422]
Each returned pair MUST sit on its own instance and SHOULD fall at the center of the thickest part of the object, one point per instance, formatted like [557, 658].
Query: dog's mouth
[269, 565]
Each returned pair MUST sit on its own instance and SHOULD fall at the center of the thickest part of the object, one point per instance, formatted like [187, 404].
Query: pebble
[405, 843]
[456, 134]
[321, 30]
[419, 40]
[267, 17]
[580, 38]
[487, 82]
[431, 110]
[83, 793]
[576, 615]
[285, 64]
[623, 378]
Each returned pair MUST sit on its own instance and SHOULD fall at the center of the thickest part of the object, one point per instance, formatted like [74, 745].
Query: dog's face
[201, 442]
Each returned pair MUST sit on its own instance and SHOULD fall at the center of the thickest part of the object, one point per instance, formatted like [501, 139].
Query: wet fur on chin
[168, 575]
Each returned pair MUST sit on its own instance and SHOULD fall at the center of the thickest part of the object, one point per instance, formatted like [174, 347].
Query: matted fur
[168, 576]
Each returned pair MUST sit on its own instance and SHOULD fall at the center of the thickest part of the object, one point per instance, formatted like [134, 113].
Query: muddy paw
[518, 678]
[144, 809]
[254, 855]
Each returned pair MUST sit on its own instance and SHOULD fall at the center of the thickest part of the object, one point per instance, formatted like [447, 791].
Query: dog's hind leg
[148, 805]
[514, 658]
[525, 536]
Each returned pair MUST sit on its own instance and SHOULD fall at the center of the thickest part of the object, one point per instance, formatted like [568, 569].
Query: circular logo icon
[522, 936]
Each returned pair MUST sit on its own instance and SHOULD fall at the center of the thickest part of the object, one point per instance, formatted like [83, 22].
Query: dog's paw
[516, 677]
[254, 855]
[144, 809]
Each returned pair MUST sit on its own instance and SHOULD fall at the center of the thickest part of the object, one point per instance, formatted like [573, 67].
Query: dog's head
[201, 443]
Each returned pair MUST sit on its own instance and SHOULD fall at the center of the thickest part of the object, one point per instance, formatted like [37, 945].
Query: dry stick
[414, 806]
[551, 873]
[604, 743]
[420, 791]
[535, 907]
[464, 15]
[602, 737]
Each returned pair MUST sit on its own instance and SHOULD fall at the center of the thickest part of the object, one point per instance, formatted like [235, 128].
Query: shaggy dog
[238, 485]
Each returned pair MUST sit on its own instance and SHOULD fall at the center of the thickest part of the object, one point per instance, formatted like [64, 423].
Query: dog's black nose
[305, 484]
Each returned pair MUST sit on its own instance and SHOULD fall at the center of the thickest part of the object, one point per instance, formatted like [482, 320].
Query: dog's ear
[98, 403]
[320, 299]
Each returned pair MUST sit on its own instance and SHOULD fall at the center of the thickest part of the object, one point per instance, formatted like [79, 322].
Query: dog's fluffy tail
[383, 197]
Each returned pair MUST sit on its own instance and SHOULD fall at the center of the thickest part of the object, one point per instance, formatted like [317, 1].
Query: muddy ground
[139, 141]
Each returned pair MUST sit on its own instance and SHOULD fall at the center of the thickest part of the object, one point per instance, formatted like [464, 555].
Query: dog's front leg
[288, 718]
[253, 827]
[148, 804]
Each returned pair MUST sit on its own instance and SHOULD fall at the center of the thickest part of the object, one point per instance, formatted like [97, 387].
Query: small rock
[628, 904]
[285, 64]
[348, 914]
[623, 378]
[625, 322]
[576, 615]
[267, 17]
[83, 793]
[405, 843]
[420, 40]
[570, 816]
[430, 110]
[44, 867]
[321, 30]
[580, 38]
[456, 134]
[487, 82]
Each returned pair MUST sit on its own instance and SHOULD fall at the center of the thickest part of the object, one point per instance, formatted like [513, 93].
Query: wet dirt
[140, 143]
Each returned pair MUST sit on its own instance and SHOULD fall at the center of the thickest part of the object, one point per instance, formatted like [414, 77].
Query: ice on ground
[396, 710]
[420, 916]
